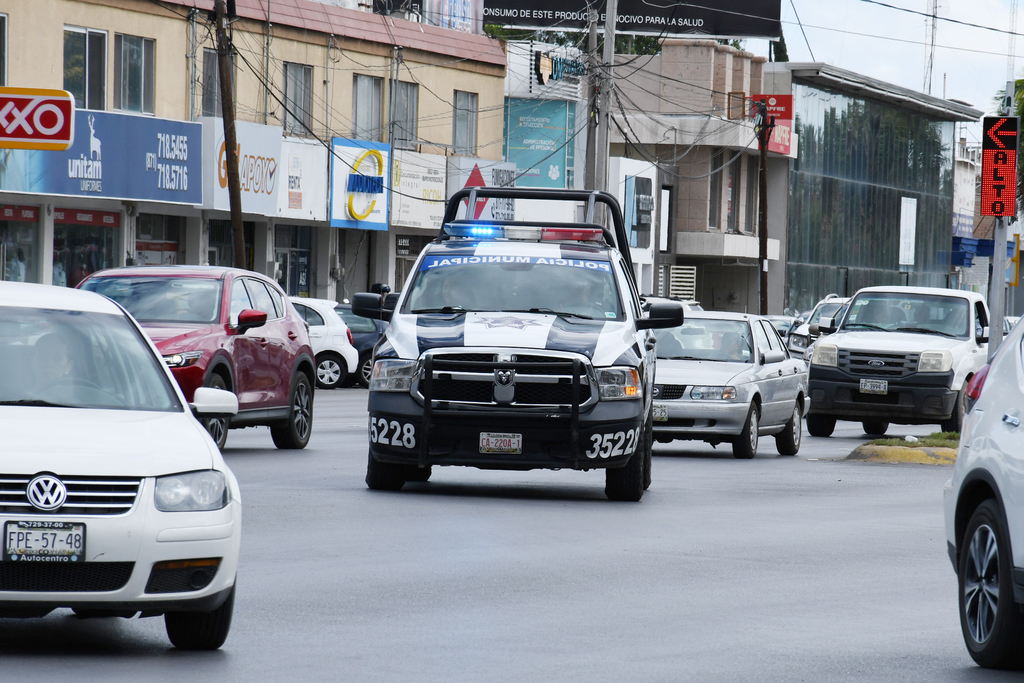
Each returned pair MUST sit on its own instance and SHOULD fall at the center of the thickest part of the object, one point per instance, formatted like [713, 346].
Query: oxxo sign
[33, 118]
[999, 166]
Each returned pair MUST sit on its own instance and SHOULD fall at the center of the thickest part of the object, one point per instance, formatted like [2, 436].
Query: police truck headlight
[192, 491]
[825, 354]
[393, 374]
[935, 361]
[619, 383]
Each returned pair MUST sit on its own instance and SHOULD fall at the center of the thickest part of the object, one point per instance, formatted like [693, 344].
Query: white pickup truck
[900, 355]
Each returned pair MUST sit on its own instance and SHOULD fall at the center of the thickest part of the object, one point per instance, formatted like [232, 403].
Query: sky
[970, 63]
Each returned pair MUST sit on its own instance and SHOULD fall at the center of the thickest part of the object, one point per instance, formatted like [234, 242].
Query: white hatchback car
[114, 500]
[331, 340]
[984, 505]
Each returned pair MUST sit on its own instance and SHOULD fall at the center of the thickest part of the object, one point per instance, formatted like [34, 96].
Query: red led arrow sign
[999, 166]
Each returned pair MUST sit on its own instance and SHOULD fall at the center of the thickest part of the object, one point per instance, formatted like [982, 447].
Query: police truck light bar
[999, 166]
[483, 231]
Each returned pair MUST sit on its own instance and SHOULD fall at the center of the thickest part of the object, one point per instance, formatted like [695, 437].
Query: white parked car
[984, 506]
[727, 377]
[114, 498]
[331, 340]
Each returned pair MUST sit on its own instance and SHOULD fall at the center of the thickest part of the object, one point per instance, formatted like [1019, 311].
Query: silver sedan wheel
[981, 583]
[753, 431]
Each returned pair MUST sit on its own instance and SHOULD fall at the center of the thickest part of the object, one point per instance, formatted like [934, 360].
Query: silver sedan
[728, 377]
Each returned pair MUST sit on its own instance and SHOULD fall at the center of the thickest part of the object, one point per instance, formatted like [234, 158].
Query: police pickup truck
[901, 355]
[516, 346]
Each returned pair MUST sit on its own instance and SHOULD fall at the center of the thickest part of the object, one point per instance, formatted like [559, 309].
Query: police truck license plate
[498, 442]
[874, 386]
[660, 413]
[44, 542]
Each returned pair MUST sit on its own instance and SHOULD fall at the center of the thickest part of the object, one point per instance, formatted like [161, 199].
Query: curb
[902, 454]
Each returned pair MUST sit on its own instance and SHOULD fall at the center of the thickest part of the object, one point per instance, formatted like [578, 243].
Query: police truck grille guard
[538, 384]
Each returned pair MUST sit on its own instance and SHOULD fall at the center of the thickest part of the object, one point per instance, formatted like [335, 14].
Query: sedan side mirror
[250, 318]
[661, 315]
[209, 402]
[773, 357]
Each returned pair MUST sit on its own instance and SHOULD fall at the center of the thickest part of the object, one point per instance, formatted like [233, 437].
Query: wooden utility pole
[763, 127]
[227, 101]
[593, 88]
[601, 180]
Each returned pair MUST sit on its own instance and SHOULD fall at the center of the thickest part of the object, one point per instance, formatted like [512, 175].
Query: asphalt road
[772, 569]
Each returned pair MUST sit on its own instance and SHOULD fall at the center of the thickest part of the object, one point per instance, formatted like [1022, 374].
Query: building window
[85, 66]
[298, 98]
[464, 128]
[406, 106]
[3, 49]
[732, 207]
[752, 193]
[367, 107]
[134, 73]
[715, 195]
[211, 83]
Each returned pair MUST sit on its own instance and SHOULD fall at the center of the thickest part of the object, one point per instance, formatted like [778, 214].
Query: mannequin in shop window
[60, 276]
[16, 266]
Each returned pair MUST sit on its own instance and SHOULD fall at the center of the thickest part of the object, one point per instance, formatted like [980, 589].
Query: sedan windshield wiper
[36, 402]
[926, 330]
[867, 325]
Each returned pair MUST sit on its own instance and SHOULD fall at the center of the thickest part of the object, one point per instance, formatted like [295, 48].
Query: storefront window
[292, 252]
[222, 245]
[83, 243]
[407, 248]
[158, 240]
[18, 244]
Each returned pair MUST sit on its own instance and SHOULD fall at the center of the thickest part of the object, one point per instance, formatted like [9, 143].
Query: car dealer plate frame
[874, 386]
[42, 536]
[495, 442]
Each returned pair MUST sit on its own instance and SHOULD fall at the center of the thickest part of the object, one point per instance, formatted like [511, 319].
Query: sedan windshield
[706, 339]
[902, 312]
[527, 284]
[79, 360]
[163, 299]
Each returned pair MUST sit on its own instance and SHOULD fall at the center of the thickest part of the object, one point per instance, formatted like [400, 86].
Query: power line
[946, 19]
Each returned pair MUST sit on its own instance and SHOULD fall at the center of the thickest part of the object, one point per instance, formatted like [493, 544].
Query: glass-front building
[859, 160]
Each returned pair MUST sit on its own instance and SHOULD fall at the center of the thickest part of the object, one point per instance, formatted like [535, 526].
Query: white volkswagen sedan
[984, 505]
[114, 500]
[330, 339]
[727, 377]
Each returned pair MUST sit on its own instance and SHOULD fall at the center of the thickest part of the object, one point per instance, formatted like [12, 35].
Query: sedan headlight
[713, 393]
[935, 361]
[798, 341]
[393, 374]
[825, 354]
[182, 360]
[619, 383]
[192, 491]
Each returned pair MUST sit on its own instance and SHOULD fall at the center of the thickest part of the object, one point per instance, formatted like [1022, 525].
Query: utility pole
[593, 88]
[763, 127]
[230, 140]
[605, 100]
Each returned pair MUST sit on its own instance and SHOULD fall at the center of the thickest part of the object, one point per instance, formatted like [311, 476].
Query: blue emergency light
[475, 230]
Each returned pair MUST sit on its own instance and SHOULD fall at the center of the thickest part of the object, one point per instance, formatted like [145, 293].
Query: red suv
[225, 328]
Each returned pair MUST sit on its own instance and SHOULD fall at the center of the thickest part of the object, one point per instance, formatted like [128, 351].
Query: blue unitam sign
[115, 156]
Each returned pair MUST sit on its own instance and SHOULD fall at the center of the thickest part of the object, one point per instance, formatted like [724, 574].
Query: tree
[777, 51]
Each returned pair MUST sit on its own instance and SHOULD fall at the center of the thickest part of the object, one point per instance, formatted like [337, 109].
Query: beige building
[143, 71]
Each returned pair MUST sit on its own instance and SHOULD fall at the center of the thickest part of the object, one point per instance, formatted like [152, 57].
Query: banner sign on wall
[360, 184]
[470, 172]
[115, 156]
[536, 140]
[781, 108]
[718, 18]
[259, 166]
[419, 183]
[303, 192]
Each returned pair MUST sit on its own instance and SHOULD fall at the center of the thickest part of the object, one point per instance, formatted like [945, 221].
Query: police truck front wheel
[627, 483]
[384, 476]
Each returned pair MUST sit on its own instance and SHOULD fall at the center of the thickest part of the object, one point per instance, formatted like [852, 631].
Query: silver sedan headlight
[192, 491]
[713, 393]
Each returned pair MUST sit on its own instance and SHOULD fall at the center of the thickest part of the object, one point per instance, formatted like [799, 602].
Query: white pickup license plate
[874, 386]
[44, 542]
[500, 442]
[660, 413]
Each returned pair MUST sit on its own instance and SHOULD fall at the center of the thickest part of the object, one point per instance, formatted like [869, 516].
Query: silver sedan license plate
[501, 442]
[660, 413]
[44, 542]
[874, 386]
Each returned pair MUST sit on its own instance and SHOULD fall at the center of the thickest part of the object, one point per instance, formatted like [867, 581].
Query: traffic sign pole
[999, 199]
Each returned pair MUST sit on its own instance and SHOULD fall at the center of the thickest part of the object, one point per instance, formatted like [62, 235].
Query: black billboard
[711, 18]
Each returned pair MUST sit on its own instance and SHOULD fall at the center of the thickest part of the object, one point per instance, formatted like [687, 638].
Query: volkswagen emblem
[876, 363]
[46, 492]
[503, 378]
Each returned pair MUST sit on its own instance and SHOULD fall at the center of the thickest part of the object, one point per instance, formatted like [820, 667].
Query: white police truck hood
[603, 341]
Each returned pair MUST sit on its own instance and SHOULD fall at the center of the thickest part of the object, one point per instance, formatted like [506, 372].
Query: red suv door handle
[292, 335]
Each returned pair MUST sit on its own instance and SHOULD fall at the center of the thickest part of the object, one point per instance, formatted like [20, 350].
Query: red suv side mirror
[250, 318]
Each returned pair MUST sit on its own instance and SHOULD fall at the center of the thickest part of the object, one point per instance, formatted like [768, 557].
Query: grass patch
[935, 440]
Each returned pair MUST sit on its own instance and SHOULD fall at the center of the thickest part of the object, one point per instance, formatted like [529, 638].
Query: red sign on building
[999, 166]
[33, 118]
[780, 107]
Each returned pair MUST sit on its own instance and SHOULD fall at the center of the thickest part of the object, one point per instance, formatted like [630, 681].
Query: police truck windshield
[457, 283]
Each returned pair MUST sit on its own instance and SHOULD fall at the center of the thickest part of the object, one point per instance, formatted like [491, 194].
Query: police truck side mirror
[661, 316]
[369, 305]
